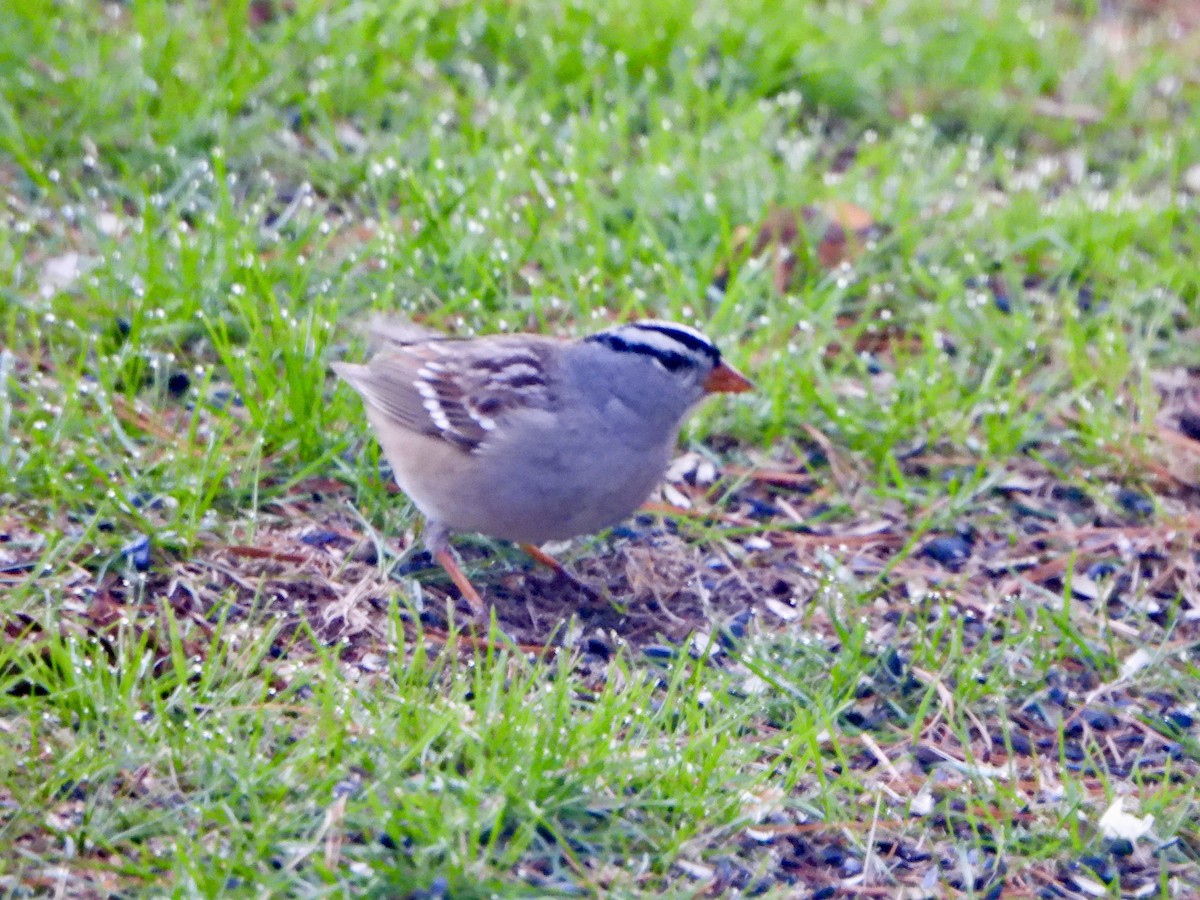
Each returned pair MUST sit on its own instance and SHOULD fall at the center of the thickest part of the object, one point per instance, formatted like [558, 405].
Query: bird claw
[561, 574]
[579, 585]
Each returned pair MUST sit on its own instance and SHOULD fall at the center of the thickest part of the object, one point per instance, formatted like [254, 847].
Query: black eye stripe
[673, 361]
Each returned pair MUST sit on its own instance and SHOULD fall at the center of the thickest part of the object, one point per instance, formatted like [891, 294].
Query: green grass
[202, 201]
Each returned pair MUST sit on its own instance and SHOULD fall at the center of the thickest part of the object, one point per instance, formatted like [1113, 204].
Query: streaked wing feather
[454, 390]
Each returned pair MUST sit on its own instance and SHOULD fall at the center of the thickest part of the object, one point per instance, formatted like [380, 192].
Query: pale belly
[534, 492]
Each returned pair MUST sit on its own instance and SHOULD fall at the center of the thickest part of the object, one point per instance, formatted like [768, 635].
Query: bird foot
[561, 574]
[450, 564]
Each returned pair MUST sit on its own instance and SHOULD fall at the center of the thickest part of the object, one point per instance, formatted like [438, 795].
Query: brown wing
[387, 332]
[457, 390]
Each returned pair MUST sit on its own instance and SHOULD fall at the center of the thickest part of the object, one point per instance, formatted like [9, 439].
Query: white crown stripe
[671, 345]
[667, 327]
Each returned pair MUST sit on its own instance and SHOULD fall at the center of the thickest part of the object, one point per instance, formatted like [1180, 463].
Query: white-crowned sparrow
[532, 438]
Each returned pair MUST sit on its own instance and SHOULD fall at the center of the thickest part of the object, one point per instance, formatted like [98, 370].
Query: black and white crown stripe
[671, 345]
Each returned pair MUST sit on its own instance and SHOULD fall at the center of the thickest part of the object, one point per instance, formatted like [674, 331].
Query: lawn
[918, 617]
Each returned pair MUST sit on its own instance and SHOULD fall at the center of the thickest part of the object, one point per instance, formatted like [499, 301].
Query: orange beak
[725, 379]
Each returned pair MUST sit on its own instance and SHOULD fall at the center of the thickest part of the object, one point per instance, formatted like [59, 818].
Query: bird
[532, 438]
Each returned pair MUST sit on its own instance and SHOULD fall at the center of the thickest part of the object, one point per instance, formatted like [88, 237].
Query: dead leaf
[793, 242]
[1117, 824]
[61, 272]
